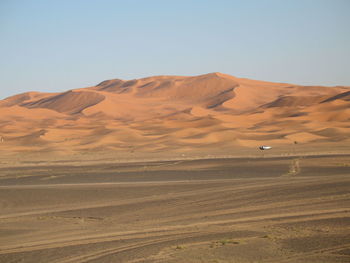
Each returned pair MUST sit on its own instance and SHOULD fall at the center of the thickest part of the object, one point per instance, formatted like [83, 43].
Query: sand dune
[175, 113]
[167, 169]
[71, 102]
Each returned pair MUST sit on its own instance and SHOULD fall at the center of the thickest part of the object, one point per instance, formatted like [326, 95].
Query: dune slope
[175, 113]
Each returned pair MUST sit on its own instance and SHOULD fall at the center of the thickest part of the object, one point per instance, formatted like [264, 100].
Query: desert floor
[266, 209]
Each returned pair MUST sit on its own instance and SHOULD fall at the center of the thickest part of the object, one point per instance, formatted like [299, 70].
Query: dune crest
[175, 113]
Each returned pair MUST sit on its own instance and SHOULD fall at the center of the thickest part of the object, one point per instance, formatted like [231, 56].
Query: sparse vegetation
[223, 243]
[179, 247]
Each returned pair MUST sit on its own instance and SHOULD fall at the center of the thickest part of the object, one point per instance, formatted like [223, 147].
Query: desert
[175, 114]
[276, 209]
[168, 169]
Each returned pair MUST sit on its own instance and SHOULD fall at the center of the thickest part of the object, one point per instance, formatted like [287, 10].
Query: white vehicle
[264, 147]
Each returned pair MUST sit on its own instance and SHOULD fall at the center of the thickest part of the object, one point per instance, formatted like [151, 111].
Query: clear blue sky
[56, 45]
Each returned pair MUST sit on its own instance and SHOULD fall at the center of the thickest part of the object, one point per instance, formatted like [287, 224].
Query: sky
[57, 45]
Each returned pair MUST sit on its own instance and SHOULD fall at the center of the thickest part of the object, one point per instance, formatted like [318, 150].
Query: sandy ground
[268, 209]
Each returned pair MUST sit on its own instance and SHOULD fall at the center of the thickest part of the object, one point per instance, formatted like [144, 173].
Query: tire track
[117, 235]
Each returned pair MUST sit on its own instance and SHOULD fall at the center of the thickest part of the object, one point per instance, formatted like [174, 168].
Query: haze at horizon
[59, 45]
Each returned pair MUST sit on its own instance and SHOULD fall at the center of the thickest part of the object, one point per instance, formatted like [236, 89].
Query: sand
[167, 169]
[174, 114]
[261, 209]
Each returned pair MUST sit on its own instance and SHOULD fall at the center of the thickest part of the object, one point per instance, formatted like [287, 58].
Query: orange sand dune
[175, 113]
